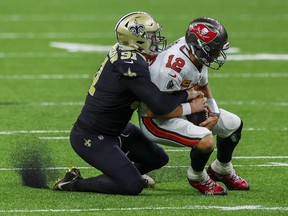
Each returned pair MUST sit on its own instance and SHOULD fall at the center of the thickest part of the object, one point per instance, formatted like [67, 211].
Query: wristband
[213, 107]
[186, 109]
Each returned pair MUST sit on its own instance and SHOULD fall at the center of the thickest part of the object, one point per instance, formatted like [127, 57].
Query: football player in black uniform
[102, 134]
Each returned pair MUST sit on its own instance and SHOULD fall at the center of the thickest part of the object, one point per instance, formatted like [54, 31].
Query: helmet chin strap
[202, 60]
[198, 63]
[191, 49]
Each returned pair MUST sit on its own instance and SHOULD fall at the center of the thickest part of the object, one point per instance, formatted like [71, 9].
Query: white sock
[196, 176]
[223, 168]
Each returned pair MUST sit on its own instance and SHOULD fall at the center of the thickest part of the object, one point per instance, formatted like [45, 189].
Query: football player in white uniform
[184, 65]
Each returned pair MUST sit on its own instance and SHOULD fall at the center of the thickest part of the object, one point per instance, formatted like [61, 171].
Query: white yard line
[46, 76]
[159, 208]
[68, 131]
[57, 18]
[268, 164]
[259, 56]
[247, 75]
[39, 55]
[55, 35]
[237, 103]
[33, 132]
[54, 138]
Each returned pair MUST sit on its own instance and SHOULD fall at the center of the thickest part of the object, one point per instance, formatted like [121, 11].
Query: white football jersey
[173, 70]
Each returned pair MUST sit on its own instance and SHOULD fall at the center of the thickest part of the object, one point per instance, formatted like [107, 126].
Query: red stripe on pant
[153, 128]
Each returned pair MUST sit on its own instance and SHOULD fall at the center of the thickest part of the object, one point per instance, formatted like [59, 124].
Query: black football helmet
[208, 40]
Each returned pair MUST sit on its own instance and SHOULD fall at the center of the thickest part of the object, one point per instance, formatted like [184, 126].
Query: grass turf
[35, 105]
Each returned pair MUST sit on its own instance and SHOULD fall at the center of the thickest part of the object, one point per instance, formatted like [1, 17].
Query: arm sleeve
[159, 102]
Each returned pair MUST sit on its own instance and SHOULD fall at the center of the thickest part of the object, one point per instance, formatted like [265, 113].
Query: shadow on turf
[33, 163]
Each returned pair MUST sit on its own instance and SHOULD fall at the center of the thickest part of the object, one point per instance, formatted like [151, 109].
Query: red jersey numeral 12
[176, 65]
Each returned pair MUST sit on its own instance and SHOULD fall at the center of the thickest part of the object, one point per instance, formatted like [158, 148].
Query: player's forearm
[196, 105]
[174, 113]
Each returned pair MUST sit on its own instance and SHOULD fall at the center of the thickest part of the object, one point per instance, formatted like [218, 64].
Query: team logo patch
[170, 85]
[129, 73]
[87, 142]
[186, 83]
[136, 29]
[203, 33]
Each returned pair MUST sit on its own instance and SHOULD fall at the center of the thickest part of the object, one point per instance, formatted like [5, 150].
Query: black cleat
[66, 183]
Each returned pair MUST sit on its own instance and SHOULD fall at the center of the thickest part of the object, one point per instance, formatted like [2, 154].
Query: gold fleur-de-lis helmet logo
[136, 29]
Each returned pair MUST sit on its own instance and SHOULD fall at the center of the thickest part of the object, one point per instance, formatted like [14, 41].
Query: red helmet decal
[203, 32]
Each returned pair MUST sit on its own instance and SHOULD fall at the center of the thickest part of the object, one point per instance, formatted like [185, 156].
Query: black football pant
[122, 160]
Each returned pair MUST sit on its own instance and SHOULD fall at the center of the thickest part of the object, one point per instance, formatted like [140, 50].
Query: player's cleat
[208, 187]
[150, 181]
[232, 182]
[66, 183]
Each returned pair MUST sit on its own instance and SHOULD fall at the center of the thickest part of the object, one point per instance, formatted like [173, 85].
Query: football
[197, 118]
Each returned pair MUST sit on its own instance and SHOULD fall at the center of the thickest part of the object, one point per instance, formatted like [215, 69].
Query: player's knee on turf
[206, 144]
[158, 159]
[135, 187]
[163, 159]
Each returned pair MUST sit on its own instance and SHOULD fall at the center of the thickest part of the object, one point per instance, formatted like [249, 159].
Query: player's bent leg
[106, 185]
[72, 182]
[206, 144]
[199, 157]
[197, 175]
[145, 154]
[228, 132]
[227, 145]
[120, 176]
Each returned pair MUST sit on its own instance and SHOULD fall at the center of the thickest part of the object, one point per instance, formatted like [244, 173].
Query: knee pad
[227, 124]
[236, 135]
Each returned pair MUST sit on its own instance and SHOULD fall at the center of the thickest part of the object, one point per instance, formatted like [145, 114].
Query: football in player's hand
[197, 118]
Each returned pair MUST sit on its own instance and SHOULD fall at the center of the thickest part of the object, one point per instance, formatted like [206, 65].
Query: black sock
[226, 146]
[199, 159]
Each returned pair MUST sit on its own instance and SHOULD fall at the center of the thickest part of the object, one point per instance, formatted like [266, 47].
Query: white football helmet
[140, 31]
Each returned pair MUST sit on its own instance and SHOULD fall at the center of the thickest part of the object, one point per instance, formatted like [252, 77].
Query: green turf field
[49, 51]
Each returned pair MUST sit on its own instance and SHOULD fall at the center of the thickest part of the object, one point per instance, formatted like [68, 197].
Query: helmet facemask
[212, 58]
[158, 42]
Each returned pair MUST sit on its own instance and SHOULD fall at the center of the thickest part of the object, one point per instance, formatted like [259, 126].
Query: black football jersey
[120, 83]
